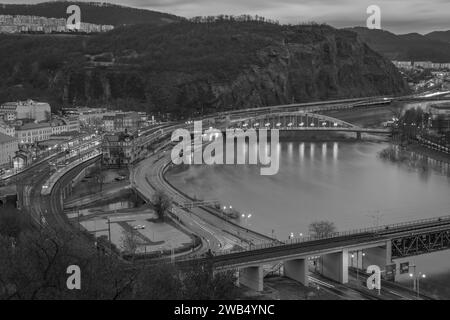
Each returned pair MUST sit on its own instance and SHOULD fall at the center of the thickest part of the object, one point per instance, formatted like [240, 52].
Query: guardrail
[50, 183]
[375, 231]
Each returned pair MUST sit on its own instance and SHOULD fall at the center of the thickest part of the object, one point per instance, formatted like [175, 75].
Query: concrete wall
[297, 270]
[335, 266]
[252, 277]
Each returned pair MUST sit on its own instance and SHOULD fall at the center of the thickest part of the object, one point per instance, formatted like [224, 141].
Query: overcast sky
[399, 16]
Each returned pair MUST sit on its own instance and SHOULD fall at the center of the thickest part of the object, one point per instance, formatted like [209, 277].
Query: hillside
[412, 46]
[443, 36]
[186, 68]
[91, 12]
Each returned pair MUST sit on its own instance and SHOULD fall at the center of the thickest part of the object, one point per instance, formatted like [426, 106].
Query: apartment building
[26, 110]
[33, 132]
[8, 149]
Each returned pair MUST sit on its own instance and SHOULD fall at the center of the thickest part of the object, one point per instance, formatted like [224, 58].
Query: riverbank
[416, 157]
[435, 155]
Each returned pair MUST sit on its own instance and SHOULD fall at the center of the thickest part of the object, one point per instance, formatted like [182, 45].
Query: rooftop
[32, 125]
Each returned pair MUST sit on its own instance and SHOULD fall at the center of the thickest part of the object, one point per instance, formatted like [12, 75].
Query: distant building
[89, 116]
[35, 24]
[122, 122]
[403, 64]
[26, 110]
[431, 65]
[423, 64]
[7, 129]
[8, 149]
[33, 132]
[439, 120]
[61, 125]
[119, 149]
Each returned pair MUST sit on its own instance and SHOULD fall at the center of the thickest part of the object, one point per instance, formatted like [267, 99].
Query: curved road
[217, 233]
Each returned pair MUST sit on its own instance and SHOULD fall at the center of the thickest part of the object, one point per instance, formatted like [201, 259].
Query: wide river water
[342, 182]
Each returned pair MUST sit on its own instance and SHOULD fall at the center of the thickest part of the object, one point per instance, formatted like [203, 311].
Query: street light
[416, 280]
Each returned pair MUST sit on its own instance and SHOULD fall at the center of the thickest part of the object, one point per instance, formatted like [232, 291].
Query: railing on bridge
[375, 231]
[195, 204]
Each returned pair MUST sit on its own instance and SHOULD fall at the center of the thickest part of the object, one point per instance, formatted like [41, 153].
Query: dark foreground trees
[34, 262]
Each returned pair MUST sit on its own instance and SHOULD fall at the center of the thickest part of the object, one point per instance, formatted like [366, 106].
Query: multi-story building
[119, 149]
[108, 123]
[61, 125]
[26, 110]
[8, 149]
[403, 64]
[439, 120]
[423, 64]
[33, 132]
[7, 129]
[122, 122]
[89, 116]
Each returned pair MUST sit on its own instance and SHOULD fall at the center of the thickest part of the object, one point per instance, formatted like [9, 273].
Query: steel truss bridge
[405, 240]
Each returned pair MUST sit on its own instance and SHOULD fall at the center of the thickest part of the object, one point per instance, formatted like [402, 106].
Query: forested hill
[186, 68]
[433, 47]
[91, 12]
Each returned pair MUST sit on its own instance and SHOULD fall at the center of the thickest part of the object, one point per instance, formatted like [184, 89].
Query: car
[121, 178]
[139, 227]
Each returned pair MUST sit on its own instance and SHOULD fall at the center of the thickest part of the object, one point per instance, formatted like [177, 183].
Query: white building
[33, 132]
[403, 64]
[423, 64]
[7, 129]
[8, 149]
[21, 110]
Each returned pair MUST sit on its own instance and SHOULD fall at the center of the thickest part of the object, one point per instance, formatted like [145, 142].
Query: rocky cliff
[187, 68]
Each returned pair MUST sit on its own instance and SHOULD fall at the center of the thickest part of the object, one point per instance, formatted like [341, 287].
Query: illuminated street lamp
[246, 217]
[302, 124]
[416, 280]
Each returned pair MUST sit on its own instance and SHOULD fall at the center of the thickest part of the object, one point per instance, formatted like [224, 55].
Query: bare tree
[321, 229]
[130, 241]
[161, 203]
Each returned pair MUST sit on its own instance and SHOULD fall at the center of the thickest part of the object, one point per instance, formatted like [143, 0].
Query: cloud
[400, 16]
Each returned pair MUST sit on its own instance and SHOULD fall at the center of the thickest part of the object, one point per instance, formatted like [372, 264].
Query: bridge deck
[308, 246]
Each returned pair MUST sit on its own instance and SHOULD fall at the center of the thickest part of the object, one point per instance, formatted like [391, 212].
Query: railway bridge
[335, 254]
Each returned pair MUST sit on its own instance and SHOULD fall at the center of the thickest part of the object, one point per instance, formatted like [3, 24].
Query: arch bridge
[301, 121]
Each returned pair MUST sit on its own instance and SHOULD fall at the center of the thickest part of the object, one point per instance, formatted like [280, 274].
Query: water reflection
[346, 183]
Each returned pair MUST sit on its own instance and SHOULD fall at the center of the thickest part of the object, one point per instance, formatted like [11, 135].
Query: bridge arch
[294, 121]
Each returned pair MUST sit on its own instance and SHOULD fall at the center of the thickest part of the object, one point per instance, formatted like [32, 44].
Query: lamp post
[416, 280]
[363, 254]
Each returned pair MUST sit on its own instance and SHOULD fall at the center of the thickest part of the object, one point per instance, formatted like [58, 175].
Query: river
[343, 182]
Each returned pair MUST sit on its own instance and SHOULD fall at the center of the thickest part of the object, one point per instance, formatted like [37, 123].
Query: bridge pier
[252, 277]
[297, 270]
[358, 135]
[335, 266]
